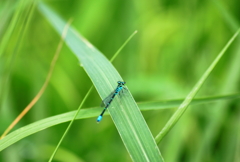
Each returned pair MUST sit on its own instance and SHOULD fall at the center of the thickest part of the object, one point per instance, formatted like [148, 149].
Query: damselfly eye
[121, 83]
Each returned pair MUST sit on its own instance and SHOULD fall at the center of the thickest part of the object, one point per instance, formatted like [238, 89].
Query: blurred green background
[176, 42]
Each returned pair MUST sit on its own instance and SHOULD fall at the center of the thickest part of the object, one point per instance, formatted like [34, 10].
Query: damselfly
[107, 101]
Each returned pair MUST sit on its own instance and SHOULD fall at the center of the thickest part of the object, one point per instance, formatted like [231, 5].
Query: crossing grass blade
[43, 124]
[126, 115]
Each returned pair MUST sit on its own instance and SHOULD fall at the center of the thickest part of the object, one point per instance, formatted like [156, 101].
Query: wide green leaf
[125, 113]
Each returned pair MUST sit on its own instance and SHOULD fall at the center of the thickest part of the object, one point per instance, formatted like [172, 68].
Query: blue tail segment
[99, 118]
[107, 101]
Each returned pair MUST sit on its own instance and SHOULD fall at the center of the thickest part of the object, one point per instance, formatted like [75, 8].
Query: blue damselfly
[107, 101]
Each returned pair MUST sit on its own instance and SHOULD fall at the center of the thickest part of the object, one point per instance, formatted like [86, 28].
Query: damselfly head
[121, 83]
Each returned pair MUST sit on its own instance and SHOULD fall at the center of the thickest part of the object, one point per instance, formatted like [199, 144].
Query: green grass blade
[157, 105]
[127, 117]
[124, 44]
[6, 9]
[7, 35]
[176, 116]
[83, 101]
[229, 18]
[43, 124]
[20, 27]
[63, 154]
[70, 124]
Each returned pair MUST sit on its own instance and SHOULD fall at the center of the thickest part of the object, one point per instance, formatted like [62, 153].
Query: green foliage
[175, 44]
